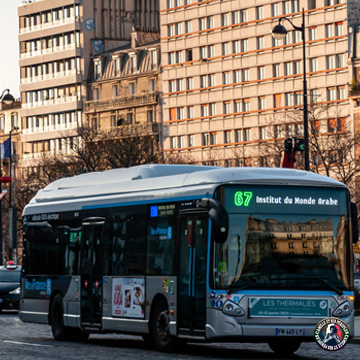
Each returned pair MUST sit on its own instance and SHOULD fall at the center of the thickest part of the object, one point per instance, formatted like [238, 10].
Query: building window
[259, 12]
[226, 48]
[180, 84]
[276, 70]
[312, 33]
[202, 23]
[262, 103]
[203, 81]
[244, 15]
[340, 62]
[181, 113]
[261, 72]
[212, 81]
[244, 45]
[246, 105]
[238, 135]
[133, 63]
[204, 110]
[237, 76]
[227, 137]
[263, 133]
[117, 66]
[212, 109]
[191, 140]
[171, 30]
[260, 42]
[211, 51]
[188, 26]
[189, 55]
[236, 46]
[297, 67]
[132, 88]
[341, 93]
[225, 19]
[152, 85]
[178, 28]
[329, 30]
[288, 68]
[181, 142]
[237, 106]
[179, 57]
[213, 138]
[150, 116]
[289, 99]
[211, 22]
[236, 17]
[277, 101]
[227, 107]
[245, 75]
[97, 67]
[191, 113]
[246, 135]
[226, 78]
[115, 91]
[313, 64]
[205, 139]
[339, 28]
[330, 62]
[190, 83]
[172, 86]
[278, 131]
[331, 94]
[275, 9]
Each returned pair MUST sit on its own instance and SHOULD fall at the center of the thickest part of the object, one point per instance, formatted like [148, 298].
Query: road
[34, 342]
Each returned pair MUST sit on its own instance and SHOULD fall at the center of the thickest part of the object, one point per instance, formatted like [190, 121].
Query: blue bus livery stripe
[152, 201]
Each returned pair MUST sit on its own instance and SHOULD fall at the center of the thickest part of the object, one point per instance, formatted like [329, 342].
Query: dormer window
[133, 63]
[97, 69]
[117, 65]
[154, 59]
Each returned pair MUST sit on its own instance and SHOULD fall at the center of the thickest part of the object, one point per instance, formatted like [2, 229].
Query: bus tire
[58, 329]
[287, 347]
[160, 328]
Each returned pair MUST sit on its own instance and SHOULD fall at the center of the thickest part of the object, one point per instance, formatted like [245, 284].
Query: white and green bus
[190, 253]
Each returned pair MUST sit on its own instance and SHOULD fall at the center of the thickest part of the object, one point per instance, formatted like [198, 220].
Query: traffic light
[299, 144]
[288, 144]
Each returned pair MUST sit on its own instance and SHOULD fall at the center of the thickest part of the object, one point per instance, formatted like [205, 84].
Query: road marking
[24, 343]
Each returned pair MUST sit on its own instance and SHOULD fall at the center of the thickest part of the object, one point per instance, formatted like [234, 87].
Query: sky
[9, 59]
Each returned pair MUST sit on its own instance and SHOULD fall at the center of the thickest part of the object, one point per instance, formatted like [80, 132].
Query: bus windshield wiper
[236, 287]
[333, 287]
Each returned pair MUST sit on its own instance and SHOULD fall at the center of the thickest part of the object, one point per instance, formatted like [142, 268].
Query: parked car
[9, 286]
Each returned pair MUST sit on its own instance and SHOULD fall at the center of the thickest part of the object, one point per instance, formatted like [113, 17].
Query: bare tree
[332, 142]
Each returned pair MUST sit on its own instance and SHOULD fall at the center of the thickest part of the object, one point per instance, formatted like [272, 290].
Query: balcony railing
[48, 24]
[63, 47]
[141, 129]
[121, 102]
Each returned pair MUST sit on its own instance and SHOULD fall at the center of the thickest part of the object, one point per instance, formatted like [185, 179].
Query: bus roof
[150, 182]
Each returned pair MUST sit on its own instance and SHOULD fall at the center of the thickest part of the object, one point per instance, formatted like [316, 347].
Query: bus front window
[267, 250]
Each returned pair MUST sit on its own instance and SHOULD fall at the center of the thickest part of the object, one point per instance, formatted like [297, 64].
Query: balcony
[121, 102]
[49, 24]
[141, 129]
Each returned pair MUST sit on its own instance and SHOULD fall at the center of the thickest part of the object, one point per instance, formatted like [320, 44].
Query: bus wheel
[57, 320]
[160, 329]
[287, 347]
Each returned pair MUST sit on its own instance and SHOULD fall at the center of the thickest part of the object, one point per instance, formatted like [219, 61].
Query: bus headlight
[231, 308]
[342, 310]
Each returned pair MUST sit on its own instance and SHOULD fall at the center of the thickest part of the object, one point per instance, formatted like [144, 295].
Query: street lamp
[6, 99]
[279, 32]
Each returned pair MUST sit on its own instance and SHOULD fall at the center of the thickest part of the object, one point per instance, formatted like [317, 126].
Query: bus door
[192, 274]
[91, 271]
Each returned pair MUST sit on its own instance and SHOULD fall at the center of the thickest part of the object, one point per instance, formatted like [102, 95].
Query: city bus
[181, 253]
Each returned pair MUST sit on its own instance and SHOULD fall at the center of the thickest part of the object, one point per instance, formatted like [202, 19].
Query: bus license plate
[290, 332]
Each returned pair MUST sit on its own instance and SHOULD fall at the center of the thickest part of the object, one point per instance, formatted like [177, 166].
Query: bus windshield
[284, 238]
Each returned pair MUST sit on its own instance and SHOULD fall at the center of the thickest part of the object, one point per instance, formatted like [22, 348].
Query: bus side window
[129, 244]
[160, 243]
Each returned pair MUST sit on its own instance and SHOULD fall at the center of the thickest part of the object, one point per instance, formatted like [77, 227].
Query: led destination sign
[298, 200]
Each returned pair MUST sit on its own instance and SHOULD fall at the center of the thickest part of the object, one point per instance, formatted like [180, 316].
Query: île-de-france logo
[332, 334]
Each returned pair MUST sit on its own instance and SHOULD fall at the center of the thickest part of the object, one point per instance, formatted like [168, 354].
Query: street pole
[279, 32]
[11, 240]
[305, 101]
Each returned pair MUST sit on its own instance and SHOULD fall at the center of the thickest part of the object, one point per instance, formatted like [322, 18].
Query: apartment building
[124, 85]
[230, 87]
[57, 39]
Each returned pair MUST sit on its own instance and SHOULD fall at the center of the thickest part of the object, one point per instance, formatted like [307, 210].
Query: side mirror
[219, 218]
[354, 223]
